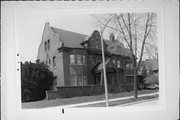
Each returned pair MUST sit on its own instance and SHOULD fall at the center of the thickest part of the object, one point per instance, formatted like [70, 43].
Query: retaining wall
[75, 91]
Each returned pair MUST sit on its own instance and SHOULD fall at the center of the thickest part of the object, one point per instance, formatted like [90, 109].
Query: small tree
[35, 80]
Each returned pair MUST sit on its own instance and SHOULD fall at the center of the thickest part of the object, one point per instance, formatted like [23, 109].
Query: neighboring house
[151, 66]
[76, 59]
[151, 71]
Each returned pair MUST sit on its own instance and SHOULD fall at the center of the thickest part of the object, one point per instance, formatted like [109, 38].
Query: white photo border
[163, 46]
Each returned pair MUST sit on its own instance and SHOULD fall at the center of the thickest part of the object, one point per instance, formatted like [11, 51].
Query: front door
[111, 77]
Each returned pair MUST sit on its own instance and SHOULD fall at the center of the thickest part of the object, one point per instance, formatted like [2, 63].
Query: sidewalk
[114, 102]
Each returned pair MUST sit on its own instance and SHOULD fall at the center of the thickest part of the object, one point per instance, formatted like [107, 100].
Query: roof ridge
[68, 31]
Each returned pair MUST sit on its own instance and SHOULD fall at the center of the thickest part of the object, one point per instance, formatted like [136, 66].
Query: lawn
[67, 101]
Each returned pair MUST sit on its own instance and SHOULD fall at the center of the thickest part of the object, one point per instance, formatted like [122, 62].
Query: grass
[67, 101]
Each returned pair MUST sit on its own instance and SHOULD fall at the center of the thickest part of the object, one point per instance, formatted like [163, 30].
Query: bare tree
[137, 31]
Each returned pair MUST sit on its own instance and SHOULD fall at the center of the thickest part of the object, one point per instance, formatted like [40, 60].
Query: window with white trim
[118, 63]
[84, 59]
[72, 59]
[85, 82]
[73, 80]
[80, 80]
[79, 60]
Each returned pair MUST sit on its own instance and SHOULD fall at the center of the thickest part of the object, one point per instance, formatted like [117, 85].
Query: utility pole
[104, 67]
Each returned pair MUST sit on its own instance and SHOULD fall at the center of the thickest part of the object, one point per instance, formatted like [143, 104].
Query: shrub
[152, 79]
[35, 80]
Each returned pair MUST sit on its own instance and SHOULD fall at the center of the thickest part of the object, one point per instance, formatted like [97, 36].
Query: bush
[35, 80]
[152, 79]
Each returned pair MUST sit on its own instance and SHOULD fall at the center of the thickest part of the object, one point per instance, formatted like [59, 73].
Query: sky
[30, 25]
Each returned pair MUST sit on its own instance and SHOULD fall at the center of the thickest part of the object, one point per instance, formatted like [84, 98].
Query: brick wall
[74, 91]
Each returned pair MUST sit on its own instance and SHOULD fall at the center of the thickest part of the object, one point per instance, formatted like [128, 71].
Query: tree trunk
[135, 77]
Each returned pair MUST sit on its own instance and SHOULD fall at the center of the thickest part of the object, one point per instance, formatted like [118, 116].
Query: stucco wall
[44, 56]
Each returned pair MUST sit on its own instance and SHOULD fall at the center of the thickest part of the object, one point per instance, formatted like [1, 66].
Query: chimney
[111, 37]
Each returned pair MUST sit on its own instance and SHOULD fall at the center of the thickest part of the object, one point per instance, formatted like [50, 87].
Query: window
[48, 45]
[97, 46]
[85, 82]
[79, 61]
[129, 65]
[80, 81]
[114, 62]
[54, 61]
[49, 62]
[45, 46]
[130, 79]
[118, 64]
[92, 45]
[47, 56]
[46, 63]
[84, 59]
[72, 59]
[94, 59]
[73, 81]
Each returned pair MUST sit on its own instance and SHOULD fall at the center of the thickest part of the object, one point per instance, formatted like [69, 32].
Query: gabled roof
[108, 64]
[74, 40]
[70, 39]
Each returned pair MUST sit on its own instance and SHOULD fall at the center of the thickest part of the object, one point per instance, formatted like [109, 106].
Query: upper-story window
[129, 66]
[79, 60]
[94, 59]
[114, 62]
[72, 59]
[47, 46]
[84, 59]
[118, 63]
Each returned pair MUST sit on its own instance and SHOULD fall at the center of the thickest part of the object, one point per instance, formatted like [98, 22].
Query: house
[151, 71]
[76, 58]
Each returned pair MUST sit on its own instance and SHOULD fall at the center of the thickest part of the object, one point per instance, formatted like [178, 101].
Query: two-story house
[76, 59]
